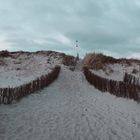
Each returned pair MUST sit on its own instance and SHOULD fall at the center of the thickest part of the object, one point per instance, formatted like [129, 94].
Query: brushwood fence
[118, 88]
[8, 95]
[130, 79]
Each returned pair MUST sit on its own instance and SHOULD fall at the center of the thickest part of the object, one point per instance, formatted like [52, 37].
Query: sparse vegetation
[98, 61]
[4, 53]
[135, 71]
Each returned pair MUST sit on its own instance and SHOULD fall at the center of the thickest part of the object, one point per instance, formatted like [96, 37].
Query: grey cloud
[107, 25]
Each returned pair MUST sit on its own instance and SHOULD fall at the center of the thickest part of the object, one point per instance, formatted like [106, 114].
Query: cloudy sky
[109, 26]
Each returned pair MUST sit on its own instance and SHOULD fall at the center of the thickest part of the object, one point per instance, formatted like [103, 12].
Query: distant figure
[77, 57]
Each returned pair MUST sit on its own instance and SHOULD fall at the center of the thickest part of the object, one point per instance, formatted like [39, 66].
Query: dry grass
[4, 53]
[99, 60]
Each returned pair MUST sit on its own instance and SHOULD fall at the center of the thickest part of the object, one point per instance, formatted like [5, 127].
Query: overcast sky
[109, 26]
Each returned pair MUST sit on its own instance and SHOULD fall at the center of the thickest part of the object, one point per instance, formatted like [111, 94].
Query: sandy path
[70, 109]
